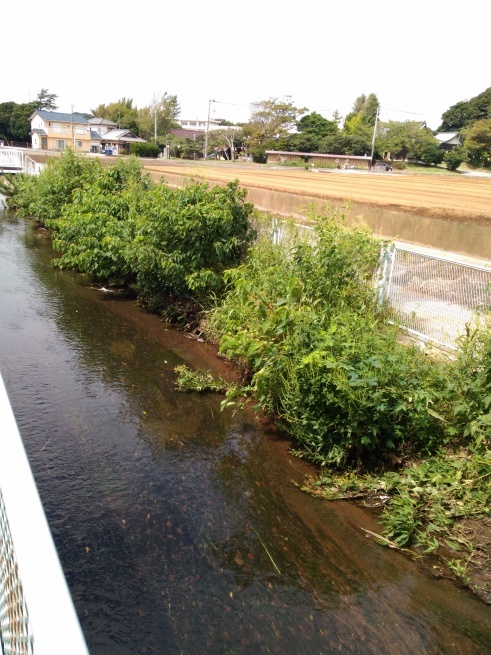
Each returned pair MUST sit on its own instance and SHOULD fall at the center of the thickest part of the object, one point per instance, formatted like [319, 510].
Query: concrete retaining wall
[461, 238]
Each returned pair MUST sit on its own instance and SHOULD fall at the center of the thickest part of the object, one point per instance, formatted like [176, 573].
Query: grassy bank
[300, 321]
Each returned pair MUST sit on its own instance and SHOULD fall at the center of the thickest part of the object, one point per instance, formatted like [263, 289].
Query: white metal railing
[37, 616]
[16, 159]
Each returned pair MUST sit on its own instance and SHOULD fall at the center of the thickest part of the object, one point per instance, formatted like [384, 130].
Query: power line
[401, 111]
[233, 104]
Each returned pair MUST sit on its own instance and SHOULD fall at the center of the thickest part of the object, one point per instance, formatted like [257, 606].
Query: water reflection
[177, 525]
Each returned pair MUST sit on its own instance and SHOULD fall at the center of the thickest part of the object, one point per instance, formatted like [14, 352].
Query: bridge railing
[17, 159]
[37, 616]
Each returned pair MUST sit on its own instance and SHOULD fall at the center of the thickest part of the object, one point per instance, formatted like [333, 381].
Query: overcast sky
[419, 56]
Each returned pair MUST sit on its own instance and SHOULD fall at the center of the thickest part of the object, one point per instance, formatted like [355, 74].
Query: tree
[121, 112]
[405, 139]
[453, 158]
[6, 111]
[345, 144]
[161, 114]
[466, 112]
[432, 153]
[20, 124]
[312, 129]
[46, 100]
[365, 108]
[231, 137]
[477, 143]
[272, 119]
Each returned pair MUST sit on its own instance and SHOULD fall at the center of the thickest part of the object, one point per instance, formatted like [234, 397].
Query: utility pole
[374, 134]
[155, 128]
[207, 128]
[73, 133]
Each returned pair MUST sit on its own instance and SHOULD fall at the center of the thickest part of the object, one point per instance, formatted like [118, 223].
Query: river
[178, 526]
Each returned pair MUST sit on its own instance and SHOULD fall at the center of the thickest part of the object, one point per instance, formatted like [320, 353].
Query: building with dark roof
[53, 130]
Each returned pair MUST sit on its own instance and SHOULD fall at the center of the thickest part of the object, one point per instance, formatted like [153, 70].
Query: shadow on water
[178, 526]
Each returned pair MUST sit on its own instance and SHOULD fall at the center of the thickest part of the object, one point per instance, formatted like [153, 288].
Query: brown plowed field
[459, 198]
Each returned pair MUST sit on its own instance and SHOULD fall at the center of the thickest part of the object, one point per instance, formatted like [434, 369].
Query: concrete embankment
[462, 238]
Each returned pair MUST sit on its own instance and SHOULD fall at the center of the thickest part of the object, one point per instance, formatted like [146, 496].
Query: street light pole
[207, 128]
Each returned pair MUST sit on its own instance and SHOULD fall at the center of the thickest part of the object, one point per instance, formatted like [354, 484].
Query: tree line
[278, 124]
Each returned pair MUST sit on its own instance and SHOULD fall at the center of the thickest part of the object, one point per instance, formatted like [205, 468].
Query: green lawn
[430, 170]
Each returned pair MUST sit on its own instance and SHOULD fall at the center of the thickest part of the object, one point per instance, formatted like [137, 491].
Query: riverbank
[169, 515]
[316, 353]
[359, 500]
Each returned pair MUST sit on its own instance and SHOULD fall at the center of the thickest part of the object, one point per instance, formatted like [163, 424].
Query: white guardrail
[14, 160]
[37, 616]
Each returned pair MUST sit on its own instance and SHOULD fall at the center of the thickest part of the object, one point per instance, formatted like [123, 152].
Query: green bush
[144, 149]
[453, 158]
[186, 238]
[120, 228]
[44, 196]
[433, 153]
[302, 319]
[398, 165]
[259, 154]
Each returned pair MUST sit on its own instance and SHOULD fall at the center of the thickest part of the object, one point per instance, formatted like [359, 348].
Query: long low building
[334, 161]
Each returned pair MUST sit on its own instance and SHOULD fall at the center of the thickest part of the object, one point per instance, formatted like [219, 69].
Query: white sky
[419, 56]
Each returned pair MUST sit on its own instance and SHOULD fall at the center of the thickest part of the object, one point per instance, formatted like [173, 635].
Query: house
[52, 130]
[197, 125]
[117, 142]
[184, 133]
[102, 125]
[448, 140]
[330, 161]
[95, 142]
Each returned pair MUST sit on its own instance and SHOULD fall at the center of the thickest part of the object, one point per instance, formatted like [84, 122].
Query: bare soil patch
[463, 199]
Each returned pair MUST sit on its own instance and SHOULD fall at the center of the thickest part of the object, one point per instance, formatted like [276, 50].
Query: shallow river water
[179, 528]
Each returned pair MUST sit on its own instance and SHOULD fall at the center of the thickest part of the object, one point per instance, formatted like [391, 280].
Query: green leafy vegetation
[318, 354]
[188, 380]
[170, 246]
[301, 321]
[144, 149]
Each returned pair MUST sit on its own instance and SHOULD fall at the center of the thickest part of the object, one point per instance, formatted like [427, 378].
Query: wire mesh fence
[433, 297]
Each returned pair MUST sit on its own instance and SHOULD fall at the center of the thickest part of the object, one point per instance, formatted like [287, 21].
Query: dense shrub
[186, 238]
[302, 319]
[144, 149]
[117, 226]
[433, 153]
[44, 196]
[453, 158]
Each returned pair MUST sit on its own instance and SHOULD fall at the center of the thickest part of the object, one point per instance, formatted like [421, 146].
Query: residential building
[117, 142]
[52, 130]
[448, 140]
[102, 125]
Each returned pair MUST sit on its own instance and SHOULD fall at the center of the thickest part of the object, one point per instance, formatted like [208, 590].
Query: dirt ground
[460, 198]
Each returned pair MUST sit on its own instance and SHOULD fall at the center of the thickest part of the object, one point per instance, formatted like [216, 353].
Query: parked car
[383, 166]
